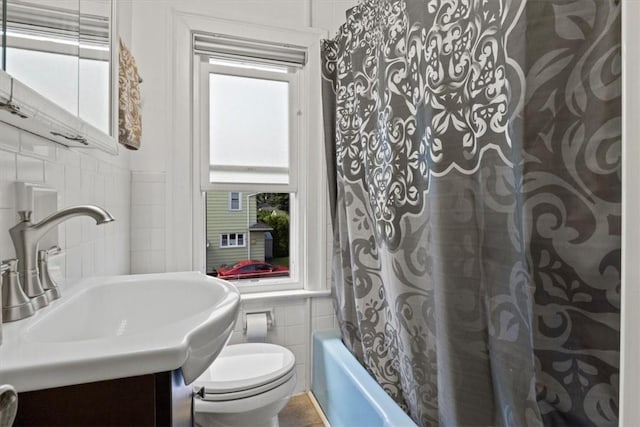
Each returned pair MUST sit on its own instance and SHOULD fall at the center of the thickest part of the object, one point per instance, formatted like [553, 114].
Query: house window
[235, 201]
[232, 240]
[258, 131]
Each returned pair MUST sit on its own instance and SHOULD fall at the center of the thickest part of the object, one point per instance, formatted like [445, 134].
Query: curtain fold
[474, 164]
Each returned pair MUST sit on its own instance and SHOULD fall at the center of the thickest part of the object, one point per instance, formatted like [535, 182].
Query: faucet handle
[15, 304]
[25, 216]
[54, 250]
[43, 254]
[49, 285]
[3, 267]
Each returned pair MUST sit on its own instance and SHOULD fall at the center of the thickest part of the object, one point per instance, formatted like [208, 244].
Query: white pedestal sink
[121, 326]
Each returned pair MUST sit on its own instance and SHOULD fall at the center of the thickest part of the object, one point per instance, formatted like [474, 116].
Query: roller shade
[229, 47]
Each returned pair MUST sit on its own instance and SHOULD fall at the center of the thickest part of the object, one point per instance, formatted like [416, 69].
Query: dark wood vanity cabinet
[160, 399]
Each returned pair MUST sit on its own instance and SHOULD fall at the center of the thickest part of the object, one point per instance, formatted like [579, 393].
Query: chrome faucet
[25, 237]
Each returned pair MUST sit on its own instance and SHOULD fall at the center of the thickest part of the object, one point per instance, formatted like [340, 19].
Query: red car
[250, 269]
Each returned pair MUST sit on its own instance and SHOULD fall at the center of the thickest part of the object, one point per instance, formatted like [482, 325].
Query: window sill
[290, 294]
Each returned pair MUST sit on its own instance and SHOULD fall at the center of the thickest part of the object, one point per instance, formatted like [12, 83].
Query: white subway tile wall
[9, 137]
[323, 314]
[295, 321]
[80, 177]
[7, 175]
[148, 227]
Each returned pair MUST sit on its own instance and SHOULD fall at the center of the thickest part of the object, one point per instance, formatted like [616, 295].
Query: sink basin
[121, 326]
[135, 306]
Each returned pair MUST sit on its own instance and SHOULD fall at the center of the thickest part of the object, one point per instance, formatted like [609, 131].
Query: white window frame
[231, 209]
[235, 245]
[309, 208]
[294, 280]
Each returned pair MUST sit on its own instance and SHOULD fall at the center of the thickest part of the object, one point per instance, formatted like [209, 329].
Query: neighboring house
[272, 211]
[233, 233]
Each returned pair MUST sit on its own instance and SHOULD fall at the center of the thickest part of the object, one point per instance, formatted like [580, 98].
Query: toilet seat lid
[246, 366]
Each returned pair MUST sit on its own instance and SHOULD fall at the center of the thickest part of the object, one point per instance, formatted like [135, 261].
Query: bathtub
[347, 394]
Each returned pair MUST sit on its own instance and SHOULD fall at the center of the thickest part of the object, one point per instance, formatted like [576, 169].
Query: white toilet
[247, 385]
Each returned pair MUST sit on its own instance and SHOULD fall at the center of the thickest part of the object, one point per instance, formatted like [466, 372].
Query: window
[250, 113]
[235, 201]
[232, 240]
[258, 126]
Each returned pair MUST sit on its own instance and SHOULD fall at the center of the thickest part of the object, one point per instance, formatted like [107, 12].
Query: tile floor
[300, 412]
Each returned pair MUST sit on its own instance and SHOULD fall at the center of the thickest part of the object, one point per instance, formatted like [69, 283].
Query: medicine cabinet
[59, 77]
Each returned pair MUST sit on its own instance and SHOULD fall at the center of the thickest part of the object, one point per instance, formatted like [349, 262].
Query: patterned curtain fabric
[474, 149]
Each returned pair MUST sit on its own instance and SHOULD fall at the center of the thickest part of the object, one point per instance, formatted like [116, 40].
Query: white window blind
[248, 130]
[252, 114]
[225, 46]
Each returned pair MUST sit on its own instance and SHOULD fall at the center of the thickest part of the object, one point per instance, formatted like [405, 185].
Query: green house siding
[218, 257]
[257, 248]
[220, 220]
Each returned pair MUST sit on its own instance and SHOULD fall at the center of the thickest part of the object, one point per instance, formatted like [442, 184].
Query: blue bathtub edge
[346, 392]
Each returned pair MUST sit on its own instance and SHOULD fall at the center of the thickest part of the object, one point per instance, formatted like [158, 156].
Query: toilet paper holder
[268, 312]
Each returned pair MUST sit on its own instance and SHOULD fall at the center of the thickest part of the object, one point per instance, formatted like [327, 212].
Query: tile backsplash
[295, 321]
[80, 177]
[148, 222]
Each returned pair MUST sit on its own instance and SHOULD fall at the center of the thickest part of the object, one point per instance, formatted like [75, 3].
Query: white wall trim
[287, 295]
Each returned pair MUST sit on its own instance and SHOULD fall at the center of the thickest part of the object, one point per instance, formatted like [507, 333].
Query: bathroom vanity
[119, 350]
[160, 399]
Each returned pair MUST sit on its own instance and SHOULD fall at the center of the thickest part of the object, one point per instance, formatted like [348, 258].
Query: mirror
[94, 76]
[44, 35]
[63, 50]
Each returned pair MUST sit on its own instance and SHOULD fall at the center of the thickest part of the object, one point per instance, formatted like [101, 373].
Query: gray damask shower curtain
[474, 147]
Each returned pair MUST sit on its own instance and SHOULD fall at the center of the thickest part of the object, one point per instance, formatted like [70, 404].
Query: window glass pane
[254, 240]
[234, 201]
[248, 130]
